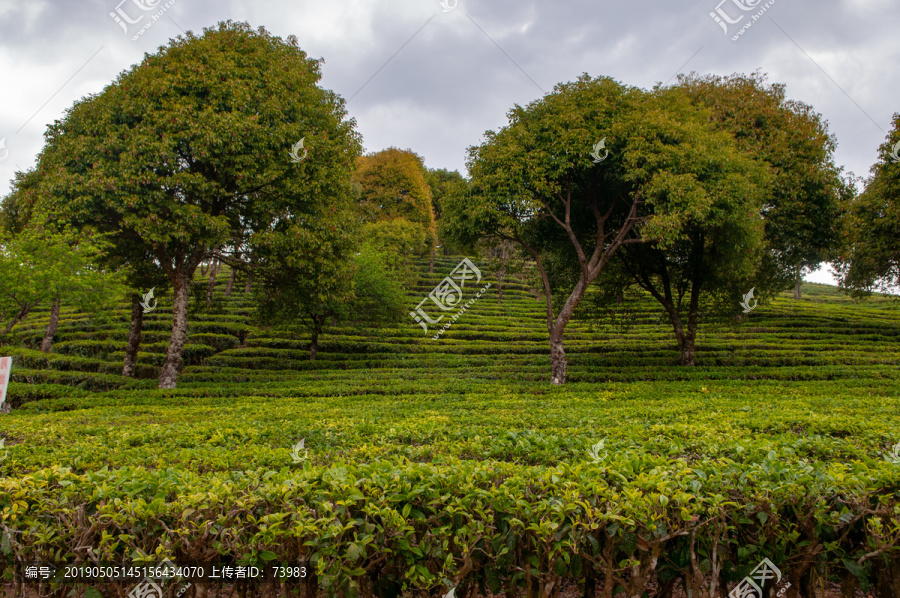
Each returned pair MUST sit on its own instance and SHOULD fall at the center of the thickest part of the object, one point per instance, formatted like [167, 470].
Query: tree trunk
[47, 343]
[797, 294]
[213, 270]
[21, 315]
[318, 322]
[230, 282]
[134, 336]
[249, 282]
[314, 345]
[687, 349]
[687, 346]
[169, 375]
[558, 361]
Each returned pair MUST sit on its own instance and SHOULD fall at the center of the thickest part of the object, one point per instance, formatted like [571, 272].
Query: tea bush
[430, 465]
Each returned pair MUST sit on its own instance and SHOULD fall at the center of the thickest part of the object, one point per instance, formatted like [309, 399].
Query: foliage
[445, 184]
[391, 184]
[775, 445]
[801, 209]
[40, 265]
[871, 259]
[190, 149]
[663, 169]
[379, 289]
[305, 270]
[397, 241]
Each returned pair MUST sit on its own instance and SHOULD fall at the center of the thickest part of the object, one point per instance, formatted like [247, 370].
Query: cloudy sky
[434, 77]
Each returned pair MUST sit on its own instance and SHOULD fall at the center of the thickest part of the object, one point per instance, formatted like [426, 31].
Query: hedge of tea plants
[432, 465]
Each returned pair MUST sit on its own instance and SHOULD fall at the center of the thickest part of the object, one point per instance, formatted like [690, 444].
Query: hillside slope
[430, 464]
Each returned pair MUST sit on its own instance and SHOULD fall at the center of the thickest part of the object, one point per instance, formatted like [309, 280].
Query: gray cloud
[450, 81]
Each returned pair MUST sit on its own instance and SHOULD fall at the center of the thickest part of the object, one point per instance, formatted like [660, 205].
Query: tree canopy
[190, 150]
[588, 169]
[802, 207]
[759, 241]
[391, 185]
[42, 266]
[871, 254]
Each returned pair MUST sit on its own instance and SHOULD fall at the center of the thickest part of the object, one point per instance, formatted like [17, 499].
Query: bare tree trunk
[558, 361]
[249, 282]
[314, 345]
[169, 375]
[687, 347]
[134, 336]
[318, 322]
[797, 294]
[213, 270]
[230, 282]
[590, 268]
[47, 343]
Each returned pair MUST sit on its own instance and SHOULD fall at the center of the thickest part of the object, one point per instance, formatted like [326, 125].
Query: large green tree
[762, 241]
[391, 185]
[871, 255]
[445, 184]
[191, 149]
[586, 170]
[802, 207]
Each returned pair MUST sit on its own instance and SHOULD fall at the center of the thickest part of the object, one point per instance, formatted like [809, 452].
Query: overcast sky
[433, 78]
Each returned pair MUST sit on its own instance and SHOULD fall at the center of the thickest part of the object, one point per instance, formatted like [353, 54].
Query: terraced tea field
[436, 464]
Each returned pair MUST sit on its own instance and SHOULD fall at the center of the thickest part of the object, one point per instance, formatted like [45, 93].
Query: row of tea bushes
[393, 527]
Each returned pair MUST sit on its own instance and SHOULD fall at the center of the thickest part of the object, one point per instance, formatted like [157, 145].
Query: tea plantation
[429, 465]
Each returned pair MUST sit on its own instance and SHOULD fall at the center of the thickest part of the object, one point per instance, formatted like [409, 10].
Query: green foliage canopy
[871, 259]
[190, 150]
